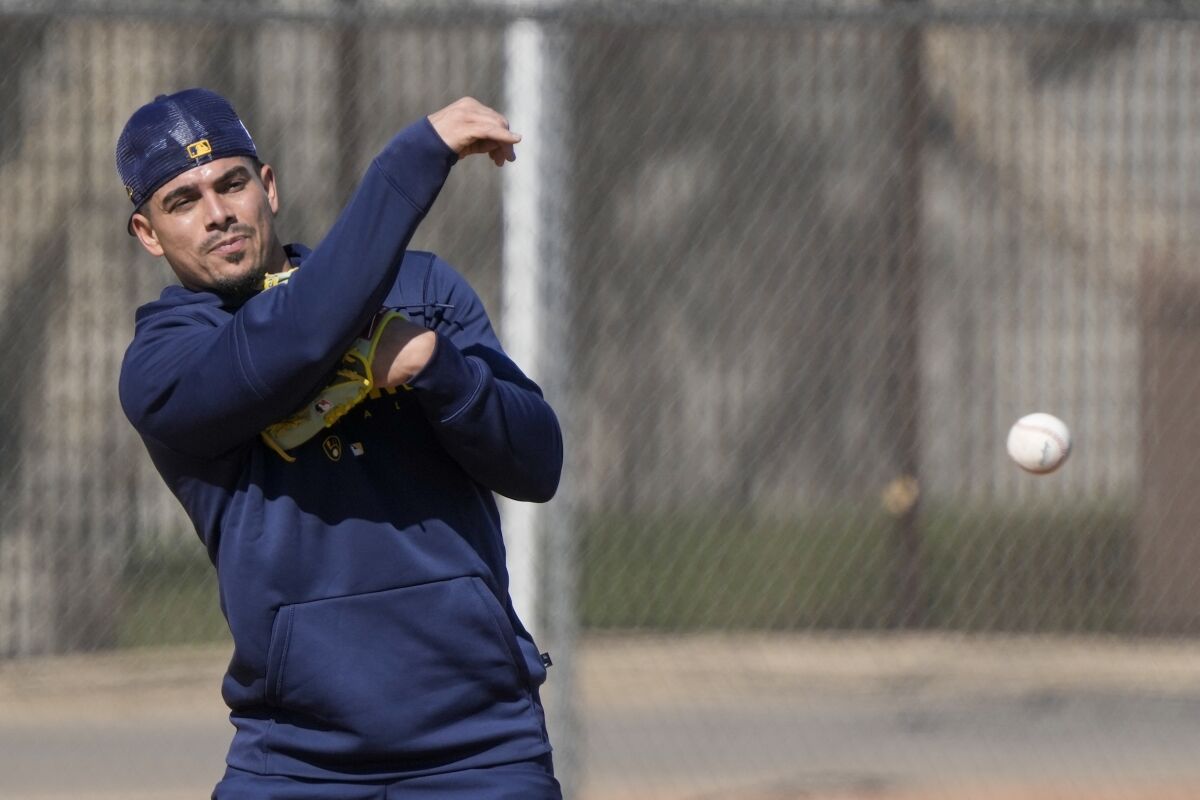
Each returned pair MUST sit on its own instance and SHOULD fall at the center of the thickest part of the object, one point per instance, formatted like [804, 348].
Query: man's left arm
[489, 416]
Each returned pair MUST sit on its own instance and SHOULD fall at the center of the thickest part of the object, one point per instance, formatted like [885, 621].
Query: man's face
[215, 226]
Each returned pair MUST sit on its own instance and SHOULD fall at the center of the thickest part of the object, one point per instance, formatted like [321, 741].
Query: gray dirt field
[699, 718]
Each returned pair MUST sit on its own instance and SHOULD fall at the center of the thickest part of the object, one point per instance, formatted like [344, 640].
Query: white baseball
[1039, 443]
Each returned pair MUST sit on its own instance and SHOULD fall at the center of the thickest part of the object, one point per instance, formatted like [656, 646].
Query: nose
[218, 216]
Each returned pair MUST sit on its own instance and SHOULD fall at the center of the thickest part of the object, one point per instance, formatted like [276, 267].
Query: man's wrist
[403, 351]
[416, 162]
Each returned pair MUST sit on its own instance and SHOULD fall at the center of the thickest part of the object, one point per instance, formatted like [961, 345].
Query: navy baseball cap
[175, 133]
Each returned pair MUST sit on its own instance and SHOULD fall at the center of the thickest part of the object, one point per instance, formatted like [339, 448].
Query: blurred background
[788, 271]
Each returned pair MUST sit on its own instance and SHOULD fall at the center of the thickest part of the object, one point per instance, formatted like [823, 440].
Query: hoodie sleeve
[202, 384]
[487, 414]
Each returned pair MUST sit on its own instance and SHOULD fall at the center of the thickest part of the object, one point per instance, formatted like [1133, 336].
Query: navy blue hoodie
[364, 583]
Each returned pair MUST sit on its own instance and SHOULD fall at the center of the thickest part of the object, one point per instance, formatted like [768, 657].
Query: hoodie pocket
[399, 673]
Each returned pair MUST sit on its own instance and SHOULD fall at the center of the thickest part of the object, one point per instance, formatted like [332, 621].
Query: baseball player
[335, 422]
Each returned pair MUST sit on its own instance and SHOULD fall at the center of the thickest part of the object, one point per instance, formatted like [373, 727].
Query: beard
[235, 290]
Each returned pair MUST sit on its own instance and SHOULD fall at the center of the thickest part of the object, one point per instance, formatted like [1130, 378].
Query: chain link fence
[819, 257]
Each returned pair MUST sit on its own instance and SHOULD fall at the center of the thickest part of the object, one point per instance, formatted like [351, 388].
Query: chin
[242, 286]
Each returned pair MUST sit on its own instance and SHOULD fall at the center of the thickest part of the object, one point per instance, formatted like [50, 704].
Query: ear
[267, 176]
[144, 231]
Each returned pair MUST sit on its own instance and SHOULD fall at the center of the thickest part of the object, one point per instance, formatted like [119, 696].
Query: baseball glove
[351, 382]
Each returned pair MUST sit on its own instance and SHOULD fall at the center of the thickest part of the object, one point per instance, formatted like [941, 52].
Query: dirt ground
[698, 718]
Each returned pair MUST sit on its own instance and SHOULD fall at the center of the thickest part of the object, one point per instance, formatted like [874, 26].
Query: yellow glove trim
[351, 384]
[273, 279]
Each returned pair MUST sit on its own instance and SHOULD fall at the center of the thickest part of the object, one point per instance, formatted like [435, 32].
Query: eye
[235, 185]
[180, 205]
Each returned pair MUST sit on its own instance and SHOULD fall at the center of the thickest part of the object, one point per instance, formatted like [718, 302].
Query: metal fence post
[904, 382]
[535, 324]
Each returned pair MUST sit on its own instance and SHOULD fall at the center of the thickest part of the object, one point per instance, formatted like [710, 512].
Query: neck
[278, 261]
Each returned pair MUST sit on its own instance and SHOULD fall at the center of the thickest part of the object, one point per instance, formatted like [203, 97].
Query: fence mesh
[820, 258]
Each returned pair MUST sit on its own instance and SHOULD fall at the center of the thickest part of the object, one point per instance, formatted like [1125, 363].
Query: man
[359, 553]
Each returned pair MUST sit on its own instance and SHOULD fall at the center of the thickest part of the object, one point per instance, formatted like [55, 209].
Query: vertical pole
[904, 384]
[1167, 548]
[536, 333]
[523, 304]
[349, 122]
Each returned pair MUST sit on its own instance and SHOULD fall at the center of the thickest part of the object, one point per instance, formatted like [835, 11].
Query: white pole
[523, 304]
[536, 329]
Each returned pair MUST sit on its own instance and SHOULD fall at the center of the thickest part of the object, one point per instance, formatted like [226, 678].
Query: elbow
[550, 474]
[145, 415]
[153, 424]
[544, 487]
[542, 475]
[547, 475]
[531, 493]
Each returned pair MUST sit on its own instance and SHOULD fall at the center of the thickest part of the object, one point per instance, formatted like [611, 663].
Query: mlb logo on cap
[175, 133]
[200, 148]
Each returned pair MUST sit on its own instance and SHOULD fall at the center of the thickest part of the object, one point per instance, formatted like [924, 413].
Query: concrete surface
[699, 718]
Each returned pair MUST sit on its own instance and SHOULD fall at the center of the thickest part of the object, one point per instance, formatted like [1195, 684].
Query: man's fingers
[502, 154]
[497, 133]
[499, 152]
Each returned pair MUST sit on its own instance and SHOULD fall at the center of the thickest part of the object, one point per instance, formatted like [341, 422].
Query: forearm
[346, 277]
[502, 433]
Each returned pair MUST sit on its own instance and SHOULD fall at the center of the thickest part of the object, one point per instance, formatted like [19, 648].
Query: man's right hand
[468, 126]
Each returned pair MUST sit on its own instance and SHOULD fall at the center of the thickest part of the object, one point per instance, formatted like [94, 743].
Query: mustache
[234, 230]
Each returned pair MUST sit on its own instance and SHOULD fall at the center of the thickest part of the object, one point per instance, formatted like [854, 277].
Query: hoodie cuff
[416, 163]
